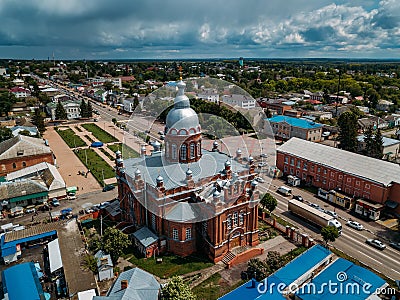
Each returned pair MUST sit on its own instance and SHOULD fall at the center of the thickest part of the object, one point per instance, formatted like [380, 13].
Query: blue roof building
[287, 127]
[22, 282]
[296, 272]
[342, 280]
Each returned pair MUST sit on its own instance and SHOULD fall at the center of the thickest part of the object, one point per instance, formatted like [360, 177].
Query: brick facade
[18, 163]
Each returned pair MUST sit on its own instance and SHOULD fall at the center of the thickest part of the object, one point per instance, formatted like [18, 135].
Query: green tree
[269, 202]
[60, 114]
[348, 131]
[115, 242]
[378, 145]
[89, 109]
[24, 132]
[274, 261]
[83, 108]
[177, 289]
[90, 262]
[373, 97]
[6, 102]
[5, 133]
[369, 141]
[38, 120]
[257, 269]
[329, 234]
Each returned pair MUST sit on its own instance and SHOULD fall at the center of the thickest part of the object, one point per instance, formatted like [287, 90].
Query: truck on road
[313, 215]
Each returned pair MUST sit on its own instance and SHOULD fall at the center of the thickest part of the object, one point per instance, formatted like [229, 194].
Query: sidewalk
[68, 163]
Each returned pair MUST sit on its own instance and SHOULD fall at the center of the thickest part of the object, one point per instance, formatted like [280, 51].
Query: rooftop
[295, 122]
[379, 171]
[21, 146]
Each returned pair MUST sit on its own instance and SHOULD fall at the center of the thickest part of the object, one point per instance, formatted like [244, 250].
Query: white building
[105, 267]
[72, 109]
[209, 95]
[242, 101]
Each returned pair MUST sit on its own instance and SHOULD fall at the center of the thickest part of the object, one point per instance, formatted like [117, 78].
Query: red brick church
[186, 199]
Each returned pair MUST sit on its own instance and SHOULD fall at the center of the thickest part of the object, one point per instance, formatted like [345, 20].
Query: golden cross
[180, 72]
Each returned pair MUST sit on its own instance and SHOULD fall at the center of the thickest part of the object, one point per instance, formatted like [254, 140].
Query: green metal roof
[27, 197]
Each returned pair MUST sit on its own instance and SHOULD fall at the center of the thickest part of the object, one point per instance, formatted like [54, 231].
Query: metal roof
[141, 285]
[379, 171]
[21, 146]
[54, 256]
[351, 274]
[21, 190]
[145, 236]
[295, 122]
[21, 282]
[174, 174]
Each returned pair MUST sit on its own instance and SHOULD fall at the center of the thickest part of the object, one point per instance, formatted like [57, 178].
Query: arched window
[173, 149]
[175, 235]
[167, 149]
[14, 165]
[183, 152]
[192, 150]
[24, 164]
[198, 149]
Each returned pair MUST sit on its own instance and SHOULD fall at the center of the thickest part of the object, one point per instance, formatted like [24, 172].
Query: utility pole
[101, 225]
[102, 173]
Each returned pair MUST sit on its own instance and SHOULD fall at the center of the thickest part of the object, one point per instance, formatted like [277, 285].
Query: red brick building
[331, 168]
[23, 151]
[193, 199]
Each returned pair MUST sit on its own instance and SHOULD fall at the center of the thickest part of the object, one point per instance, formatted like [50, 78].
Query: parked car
[331, 213]
[355, 225]
[30, 209]
[108, 187]
[376, 243]
[395, 245]
[55, 202]
[298, 198]
[264, 155]
[315, 205]
[260, 179]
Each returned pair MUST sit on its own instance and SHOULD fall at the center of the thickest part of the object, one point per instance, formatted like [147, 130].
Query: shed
[145, 240]
[105, 267]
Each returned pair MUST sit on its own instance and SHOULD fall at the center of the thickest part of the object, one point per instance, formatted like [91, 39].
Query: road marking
[371, 258]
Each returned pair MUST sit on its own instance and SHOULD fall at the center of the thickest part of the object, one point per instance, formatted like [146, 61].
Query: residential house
[33, 131]
[23, 151]
[391, 147]
[18, 82]
[105, 266]
[293, 113]
[275, 104]
[286, 127]
[239, 100]
[134, 284]
[318, 115]
[209, 95]
[371, 121]
[331, 168]
[145, 241]
[72, 108]
[384, 105]
[20, 92]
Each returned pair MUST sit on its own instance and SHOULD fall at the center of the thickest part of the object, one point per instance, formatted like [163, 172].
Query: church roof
[174, 174]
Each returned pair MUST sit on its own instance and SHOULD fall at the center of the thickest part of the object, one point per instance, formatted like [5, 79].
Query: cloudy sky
[135, 29]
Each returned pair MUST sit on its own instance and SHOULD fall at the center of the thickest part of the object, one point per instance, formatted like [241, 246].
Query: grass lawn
[70, 138]
[171, 264]
[107, 154]
[95, 164]
[214, 287]
[99, 133]
[127, 152]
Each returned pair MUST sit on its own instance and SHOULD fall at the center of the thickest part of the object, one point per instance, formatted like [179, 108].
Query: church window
[183, 152]
[229, 223]
[192, 150]
[198, 149]
[173, 149]
[175, 235]
[241, 218]
[188, 234]
[235, 218]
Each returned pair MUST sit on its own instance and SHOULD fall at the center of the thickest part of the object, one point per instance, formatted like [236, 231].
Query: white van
[284, 190]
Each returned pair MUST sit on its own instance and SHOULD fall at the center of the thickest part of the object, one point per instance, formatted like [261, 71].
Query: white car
[376, 243]
[331, 213]
[259, 179]
[355, 225]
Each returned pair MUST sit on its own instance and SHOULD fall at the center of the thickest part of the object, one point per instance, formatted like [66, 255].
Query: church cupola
[182, 130]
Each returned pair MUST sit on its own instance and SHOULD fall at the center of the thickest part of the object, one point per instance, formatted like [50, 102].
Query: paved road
[351, 242]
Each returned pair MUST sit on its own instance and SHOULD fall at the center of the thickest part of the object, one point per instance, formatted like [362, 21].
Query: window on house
[188, 234]
[192, 150]
[324, 181]
[14, 165]
[241, 218]
[319, 169]
[348, 179]
[175, 235]
[297, 173]
[340, 176]
[357, 183]
[183, 152]
[235, 218]
[317, 178]
[298, 164]
[305, 166]
[153, 222]
[173, 149]
[24, 164]
[229, 223]
[292, 161]
[367, 186]
[285, 169]
[325, 171]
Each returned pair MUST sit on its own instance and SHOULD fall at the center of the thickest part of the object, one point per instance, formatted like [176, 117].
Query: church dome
[181, 116]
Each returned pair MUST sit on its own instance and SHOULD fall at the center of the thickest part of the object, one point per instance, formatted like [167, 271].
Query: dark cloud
[213, 28]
